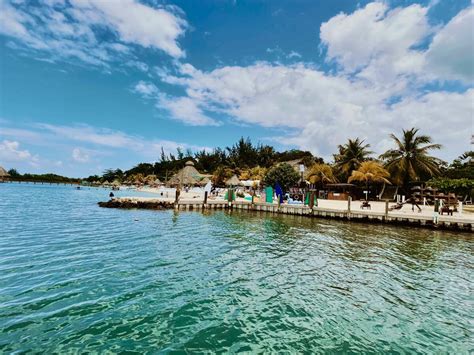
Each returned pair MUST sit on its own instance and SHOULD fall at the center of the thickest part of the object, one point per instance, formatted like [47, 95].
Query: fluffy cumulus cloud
[322, 110]
[145, 89]
[185, 109]
[385, 57]
[11, 152]
[377, 40]
[451, 52]
[390, 63]
[80, 155]
[75, 29]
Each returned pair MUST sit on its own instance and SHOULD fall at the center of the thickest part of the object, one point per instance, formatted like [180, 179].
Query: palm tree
[410, 159]
[370, 172]
[351, 155]
[321, 174]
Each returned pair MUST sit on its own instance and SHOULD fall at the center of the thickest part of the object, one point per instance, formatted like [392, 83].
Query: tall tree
[370, 172]
[320, 174]
[283, 174]
[410, 159]
[351, 155]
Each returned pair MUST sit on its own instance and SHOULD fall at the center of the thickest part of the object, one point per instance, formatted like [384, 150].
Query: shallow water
[75, 277]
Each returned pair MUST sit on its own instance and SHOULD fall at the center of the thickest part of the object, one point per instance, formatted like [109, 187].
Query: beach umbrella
[233, 181]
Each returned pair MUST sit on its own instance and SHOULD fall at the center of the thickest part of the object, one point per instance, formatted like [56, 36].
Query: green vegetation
[350, 156]
[409, 160]
[320, 174]
[48, 178]
[462, 187]
[458, 177]
[246, 160]
[284, 174]
[407, 163]
[370, 172]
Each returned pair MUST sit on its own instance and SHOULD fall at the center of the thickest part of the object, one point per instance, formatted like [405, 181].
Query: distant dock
[445, 222]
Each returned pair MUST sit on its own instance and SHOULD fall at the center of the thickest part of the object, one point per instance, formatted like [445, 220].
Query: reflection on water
[78, 278]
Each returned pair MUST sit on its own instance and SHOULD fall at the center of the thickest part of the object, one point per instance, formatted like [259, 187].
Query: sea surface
[78, 278]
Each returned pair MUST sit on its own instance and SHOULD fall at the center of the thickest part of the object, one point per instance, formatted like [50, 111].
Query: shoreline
[333, 210]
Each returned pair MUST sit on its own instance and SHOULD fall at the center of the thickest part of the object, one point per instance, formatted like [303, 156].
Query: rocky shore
[151, 204]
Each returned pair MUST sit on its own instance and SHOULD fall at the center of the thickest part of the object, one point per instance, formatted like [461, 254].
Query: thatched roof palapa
[188, 176]
[116, 183]
[233, 181]
[3, 172]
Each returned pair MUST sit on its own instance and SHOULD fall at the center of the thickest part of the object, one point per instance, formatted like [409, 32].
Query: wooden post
[311, 200]
[205, 197]
[176, 199]
[386, 209]
[253, 197]
[349, 199]
[230, 192]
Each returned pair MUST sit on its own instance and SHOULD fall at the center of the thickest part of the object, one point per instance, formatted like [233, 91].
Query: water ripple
[78, 278]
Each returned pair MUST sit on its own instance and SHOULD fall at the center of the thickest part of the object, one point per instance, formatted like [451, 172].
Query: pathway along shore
[459, 223]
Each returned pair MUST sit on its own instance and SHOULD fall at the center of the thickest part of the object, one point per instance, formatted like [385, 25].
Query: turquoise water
[78, 278]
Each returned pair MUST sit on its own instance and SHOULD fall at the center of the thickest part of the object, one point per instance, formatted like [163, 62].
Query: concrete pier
[459, 223]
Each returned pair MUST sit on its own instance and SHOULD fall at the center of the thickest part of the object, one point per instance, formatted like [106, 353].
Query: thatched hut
[150, 180]
[233, 181]
[4, 175]
[116, 183]
[188, 176]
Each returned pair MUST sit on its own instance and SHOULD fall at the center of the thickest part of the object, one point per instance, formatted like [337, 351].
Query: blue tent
[279, 192]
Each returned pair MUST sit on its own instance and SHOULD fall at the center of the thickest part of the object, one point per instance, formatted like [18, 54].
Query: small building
[340, 191]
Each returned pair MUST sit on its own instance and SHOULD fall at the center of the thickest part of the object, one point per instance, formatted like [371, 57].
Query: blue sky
[94, 84]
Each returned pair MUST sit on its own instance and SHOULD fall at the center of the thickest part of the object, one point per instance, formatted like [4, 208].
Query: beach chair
[365, 204]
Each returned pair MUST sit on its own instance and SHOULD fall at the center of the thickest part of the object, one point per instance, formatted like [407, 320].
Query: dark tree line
[242, 155]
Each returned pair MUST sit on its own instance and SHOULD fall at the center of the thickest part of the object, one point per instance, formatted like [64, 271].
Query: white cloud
[10, 152]
[277, 95]
[377, 41]
[186, 110]
[101, 137]
[136, 23]
[294, 54]
[99, 148]
[182, 109]
[324, 110]
[70, 30]
[378, 65]
[451, 53]
[145, 89]
[80, 156]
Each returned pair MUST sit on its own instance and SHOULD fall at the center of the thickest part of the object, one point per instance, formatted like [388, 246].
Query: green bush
[461, 187]
[284, 174]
